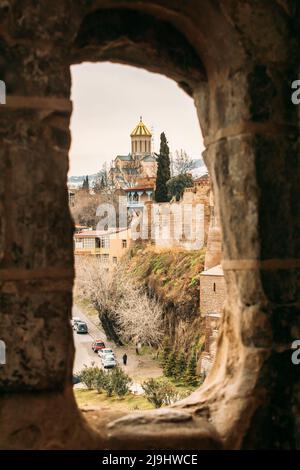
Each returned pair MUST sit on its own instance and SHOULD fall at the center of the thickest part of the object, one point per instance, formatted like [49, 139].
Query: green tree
[87, 376]
[177, 185]
[163, 170]
[191, 374]
[100, 378]
[161, 392]
[181, 366]
[86, 184]
[166, 349]
[171, 365]
[108, 385]
[121, 382]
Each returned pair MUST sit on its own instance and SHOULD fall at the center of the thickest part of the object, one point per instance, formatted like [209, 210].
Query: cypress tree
[86, 184]
[171, 365]
[163, 170]
[181, 366]
[166, 349]
[191, 373]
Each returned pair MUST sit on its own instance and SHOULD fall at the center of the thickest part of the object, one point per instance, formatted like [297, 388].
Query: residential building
[141, 193]
[108, 245]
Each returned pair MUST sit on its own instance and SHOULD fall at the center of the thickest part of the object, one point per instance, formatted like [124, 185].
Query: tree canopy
[163, 170]
[177, 185]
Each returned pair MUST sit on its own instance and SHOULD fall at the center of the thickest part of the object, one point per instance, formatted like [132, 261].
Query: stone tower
[140, 140]
[213, 255]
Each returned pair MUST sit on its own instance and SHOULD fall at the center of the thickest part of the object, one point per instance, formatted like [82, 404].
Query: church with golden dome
[140, 164]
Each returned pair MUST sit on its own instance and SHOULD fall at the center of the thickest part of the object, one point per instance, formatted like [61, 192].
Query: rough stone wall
[200, 194]
[212, 300]
[237, 59]
[175, 225]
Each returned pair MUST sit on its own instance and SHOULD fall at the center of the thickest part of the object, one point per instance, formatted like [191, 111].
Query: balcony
[88, 251]
[135, 204]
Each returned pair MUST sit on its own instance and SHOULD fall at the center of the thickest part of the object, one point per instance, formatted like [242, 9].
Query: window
[214, 287]
[104, 242]
[78, 243]
[115, 259]
[105, 258]
[89, 242]
[124, 243]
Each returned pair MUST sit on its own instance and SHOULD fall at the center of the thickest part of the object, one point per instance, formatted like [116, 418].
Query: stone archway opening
[134, 37]
[241, 90]
[182, 326]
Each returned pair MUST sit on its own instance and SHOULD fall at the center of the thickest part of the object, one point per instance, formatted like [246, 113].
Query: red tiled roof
[99, 233]
[141, 187]
[202, 179]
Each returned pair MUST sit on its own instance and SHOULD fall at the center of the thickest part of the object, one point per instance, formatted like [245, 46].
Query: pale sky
[108, 100]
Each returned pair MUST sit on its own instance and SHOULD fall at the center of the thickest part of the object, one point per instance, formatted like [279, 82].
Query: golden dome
[140, 130]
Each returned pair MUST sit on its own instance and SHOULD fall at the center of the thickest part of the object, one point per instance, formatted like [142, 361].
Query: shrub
[100, 379]
[120, 382]
[114, 381]
[161, 392]
[87, 376]
[108, 385]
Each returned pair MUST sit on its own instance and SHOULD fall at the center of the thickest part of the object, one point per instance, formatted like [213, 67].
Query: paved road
[138, 367]
[84, 355]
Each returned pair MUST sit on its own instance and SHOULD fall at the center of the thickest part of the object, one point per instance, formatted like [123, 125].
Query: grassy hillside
[173, 277]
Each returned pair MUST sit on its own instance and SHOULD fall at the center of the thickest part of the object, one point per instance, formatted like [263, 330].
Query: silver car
[108, 361]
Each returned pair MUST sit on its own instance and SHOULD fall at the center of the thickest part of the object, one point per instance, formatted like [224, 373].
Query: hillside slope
[173, 277]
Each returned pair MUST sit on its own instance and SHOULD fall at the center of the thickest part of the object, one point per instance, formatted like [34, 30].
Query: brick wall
[212, 299]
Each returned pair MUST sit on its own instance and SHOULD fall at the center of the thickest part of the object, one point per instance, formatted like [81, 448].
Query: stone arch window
[214, 287]
[241, 90]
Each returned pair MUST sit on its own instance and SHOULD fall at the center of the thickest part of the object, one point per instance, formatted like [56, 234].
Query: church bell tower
[140, 140]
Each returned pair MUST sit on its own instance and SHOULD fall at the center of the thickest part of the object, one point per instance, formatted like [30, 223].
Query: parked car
[74, 321]
[105, 352]
[81, 327]
[97, 345]
[75, 379]
[108, 361]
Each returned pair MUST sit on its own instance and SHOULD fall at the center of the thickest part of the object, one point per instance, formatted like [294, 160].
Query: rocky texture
[238, 59]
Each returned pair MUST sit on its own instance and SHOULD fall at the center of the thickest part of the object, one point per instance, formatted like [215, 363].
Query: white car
[104, 352]
[108, 361]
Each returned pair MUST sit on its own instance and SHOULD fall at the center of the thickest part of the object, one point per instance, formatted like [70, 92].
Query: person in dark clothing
[125, 359]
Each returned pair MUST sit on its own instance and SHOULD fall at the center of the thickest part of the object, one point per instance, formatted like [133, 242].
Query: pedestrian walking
[125, 359]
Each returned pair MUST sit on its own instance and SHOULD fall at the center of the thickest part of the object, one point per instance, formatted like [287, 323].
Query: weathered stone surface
[238, 58]
[36, 329]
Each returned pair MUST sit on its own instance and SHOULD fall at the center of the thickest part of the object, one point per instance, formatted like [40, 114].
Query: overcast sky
[108, 100]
